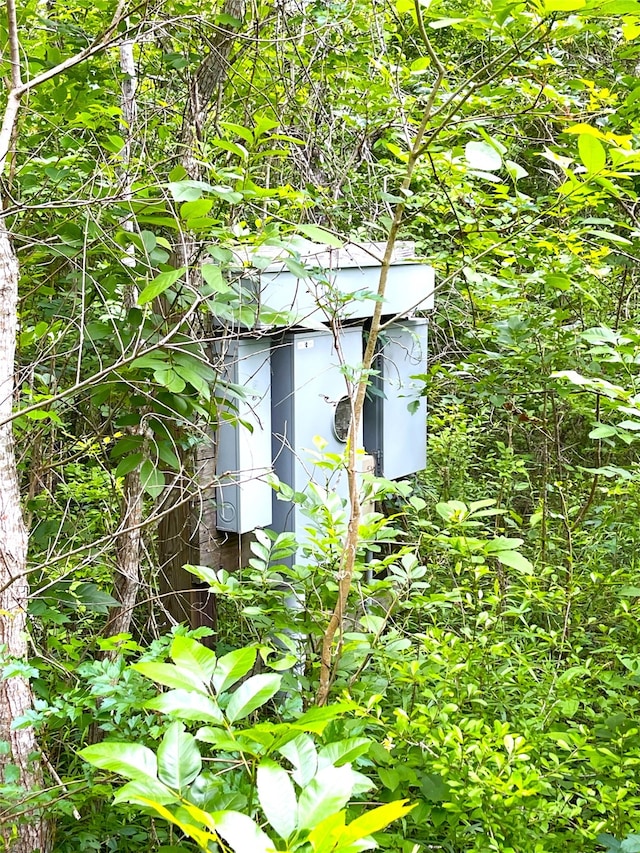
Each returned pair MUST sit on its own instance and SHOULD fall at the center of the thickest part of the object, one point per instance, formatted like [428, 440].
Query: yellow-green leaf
[592, 153]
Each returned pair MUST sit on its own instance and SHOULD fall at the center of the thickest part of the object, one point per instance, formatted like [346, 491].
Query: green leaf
[515, 170]
[319, 235]
[131, 760]
[611, 236]
[441, 23]
[233, 147]
[501, 543]
[179, 760]
[212, 274]
[326, 794]
[145, 788]
[195, 378]
[114, 143]
[515, 560]
[240, 130]
[344, 751]
[190, 821]
[227, 194]
[483, 156]
[251, 695]
[616, 7]
[188, 190]
[159, 284]
[452, 510]
[375, 820]
[563, 5]
[152, 480]
[128, 463]
[192, 209]
[603, 431]
[327, 835]
[170, 676]
[91, 596]
[232, 667]
[187, 705]
[592, 153]
[170, 380]
[241, 833]
[277, 797]
[219, 738]
[316, 719]
[263, 125]
[190, 655]
[302, 753]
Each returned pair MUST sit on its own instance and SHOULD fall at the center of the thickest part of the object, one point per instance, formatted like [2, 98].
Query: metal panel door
[307, 384]
[395, 414]
[244, 446]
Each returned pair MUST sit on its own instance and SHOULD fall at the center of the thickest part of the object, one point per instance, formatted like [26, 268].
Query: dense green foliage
[490, 661]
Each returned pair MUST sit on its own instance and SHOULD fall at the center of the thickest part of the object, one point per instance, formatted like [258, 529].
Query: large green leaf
[483, 156]
[219, 738]
[327, 793]
[131, 760]
[277, 797]
[187, 705]
[188, 190]
[592, 153]
[232, 667]
[375, 820]
[325, 835]
[159, 284]
[145, 788]
[170, 675]
[251, 695]
[516, 561]
[151, 478]
[179, 760]
[344, 751]
[316, 719]
[191, 824]
[502, 543]
[563, 5]
[188, 654]
[212, 274]
[320, 235]
[302, 753]
[241, 833]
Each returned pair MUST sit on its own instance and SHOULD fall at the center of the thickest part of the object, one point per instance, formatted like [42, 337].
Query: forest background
[487, 672]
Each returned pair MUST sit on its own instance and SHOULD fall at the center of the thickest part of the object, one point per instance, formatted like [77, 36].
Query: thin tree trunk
[127, 580]
[34, 833]
[329, 659]
[15, 692]
[128, 574]
[177, 536]
[206, 83]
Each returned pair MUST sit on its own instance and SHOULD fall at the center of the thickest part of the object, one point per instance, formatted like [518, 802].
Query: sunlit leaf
[592, 153]
[482, 156]
[277, 797]
[179, 760]
[131, 760]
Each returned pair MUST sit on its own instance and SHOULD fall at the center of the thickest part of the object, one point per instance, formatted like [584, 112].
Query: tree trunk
[33, 836]
[178, 537]
[128, 573]
[127, 580]
[206, 82]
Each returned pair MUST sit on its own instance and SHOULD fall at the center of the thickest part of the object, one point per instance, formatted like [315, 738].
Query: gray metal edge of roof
[362, 254]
